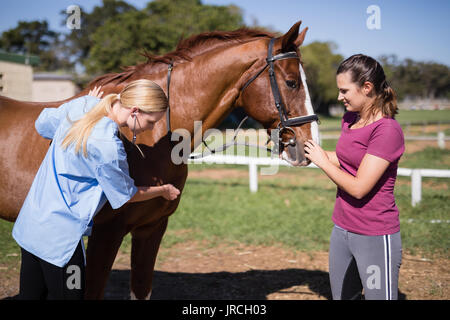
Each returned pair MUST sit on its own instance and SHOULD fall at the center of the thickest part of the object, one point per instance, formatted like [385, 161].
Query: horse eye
[291, 84]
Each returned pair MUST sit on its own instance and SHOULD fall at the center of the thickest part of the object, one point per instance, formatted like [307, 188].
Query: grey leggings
[371, 262]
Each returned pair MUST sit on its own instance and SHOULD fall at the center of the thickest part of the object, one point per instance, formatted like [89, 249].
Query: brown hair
[364, 68]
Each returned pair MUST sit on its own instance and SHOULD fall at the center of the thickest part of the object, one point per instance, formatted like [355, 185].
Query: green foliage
[35, 38]
[116, 43]
[321, 64]
[114, 33]
[156, 29]
[417, 79]
[80, 41]
[28, 37]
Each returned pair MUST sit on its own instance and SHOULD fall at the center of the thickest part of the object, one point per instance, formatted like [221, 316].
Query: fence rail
[253, 163]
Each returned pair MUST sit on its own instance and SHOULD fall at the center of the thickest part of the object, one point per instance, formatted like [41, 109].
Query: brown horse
[210, 71]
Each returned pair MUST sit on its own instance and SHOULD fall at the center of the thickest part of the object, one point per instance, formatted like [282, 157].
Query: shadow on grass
[249, 285]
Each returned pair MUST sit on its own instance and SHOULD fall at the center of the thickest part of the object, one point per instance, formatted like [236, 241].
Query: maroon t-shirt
[376, 213]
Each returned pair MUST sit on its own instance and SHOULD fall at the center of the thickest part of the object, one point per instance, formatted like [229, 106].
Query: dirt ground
[195, 270]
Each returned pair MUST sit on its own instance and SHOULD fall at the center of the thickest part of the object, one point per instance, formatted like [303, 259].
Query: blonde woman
[85, 166]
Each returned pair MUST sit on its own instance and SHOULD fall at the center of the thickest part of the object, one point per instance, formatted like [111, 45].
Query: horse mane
[186, 50]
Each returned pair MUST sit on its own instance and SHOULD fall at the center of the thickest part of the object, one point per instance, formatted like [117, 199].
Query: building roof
[19, 58]
[52, 76]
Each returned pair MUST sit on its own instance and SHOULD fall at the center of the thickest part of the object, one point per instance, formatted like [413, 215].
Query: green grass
[225, 211]
[421, 234]
[421, 116]
[292, 209]
[429, 158]
[10, 251]
[295, 214]
[404, 117]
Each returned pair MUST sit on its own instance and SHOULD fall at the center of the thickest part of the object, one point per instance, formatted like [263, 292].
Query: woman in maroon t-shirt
[365, 245]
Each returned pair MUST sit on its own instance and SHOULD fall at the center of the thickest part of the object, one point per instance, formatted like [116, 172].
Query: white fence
[253, 163]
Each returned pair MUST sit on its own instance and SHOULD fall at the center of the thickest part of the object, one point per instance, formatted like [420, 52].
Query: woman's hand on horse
[170, 192]
[315, 153]
[96, 92]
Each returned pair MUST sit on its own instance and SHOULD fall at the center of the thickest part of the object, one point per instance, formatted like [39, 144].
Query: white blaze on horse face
[309, 107]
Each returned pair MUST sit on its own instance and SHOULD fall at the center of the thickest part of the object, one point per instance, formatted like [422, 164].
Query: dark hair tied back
[364, 68]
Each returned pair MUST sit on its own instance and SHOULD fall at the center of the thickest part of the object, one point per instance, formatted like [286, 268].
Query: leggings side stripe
[387, 265]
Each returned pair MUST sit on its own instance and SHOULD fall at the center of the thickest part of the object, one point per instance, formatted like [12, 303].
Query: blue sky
[415, 29]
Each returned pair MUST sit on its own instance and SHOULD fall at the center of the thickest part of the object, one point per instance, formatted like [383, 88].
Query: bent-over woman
[85, 166]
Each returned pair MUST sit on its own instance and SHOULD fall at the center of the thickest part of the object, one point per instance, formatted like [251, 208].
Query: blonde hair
[144, 94]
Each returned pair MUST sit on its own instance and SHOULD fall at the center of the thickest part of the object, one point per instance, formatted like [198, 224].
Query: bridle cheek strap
[285, 121]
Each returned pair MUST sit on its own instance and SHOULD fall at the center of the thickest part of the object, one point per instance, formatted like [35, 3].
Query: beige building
[17, 80]
[53, 87]
[16, 75]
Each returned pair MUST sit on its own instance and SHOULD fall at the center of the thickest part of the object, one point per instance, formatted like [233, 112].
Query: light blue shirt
[69, 189]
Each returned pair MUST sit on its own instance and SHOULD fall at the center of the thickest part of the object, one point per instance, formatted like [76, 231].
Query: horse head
[276, 95]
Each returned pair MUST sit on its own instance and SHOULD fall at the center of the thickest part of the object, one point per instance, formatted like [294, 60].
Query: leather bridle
[285, 123]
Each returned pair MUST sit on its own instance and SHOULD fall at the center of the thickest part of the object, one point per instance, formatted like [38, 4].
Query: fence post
[416, 187]
[253, 176]
[441, 139]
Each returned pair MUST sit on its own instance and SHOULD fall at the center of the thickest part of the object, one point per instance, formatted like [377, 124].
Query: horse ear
[290, 37]
[301, 37]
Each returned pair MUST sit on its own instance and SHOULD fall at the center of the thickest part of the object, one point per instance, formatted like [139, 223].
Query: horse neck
[205, 90]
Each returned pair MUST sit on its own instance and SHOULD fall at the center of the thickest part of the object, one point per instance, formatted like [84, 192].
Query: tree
[36, 38]
[80, 41]
[156, 29]
[320, 67]
[417, 79]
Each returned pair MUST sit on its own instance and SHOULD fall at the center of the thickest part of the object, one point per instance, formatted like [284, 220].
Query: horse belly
[21, 153]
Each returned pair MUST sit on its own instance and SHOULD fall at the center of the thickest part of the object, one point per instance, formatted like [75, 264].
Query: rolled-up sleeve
[50, 118]
[115, 181]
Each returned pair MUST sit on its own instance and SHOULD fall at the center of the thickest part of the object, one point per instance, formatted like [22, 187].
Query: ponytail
[386, 101]
[80, 131]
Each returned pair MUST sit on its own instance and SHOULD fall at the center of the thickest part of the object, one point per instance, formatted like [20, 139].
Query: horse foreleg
[102, 249]
[145, 246]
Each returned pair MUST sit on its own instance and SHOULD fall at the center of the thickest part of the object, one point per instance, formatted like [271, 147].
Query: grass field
[292, 209]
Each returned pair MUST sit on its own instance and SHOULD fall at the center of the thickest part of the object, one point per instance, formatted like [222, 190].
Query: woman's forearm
[369, 172]
[333, 158]
[343, 180]
[147, 193]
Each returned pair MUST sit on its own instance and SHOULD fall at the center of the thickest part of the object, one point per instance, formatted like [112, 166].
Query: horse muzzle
[295, 155]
